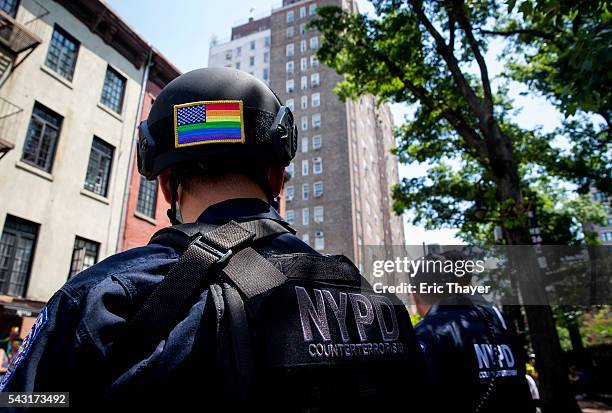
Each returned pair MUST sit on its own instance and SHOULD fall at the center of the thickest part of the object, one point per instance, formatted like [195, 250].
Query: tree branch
[531, 32]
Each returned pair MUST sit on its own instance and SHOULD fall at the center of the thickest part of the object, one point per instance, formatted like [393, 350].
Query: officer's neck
[195, 201]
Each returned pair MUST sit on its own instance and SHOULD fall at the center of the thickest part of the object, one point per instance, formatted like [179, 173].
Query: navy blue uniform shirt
[66, 350]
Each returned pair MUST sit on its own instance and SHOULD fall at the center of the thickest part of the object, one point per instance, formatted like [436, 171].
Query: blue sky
[182, 30]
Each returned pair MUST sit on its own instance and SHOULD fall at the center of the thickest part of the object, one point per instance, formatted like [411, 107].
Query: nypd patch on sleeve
[40, 322]
[198, 123]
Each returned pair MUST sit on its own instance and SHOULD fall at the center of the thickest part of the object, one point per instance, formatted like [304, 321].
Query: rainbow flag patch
[198, 123]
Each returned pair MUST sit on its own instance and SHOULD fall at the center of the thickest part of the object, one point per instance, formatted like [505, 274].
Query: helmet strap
[172, 212]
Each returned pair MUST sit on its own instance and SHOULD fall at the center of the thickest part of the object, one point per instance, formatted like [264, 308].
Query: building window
[316, 142]
[606, 236]
[302, 12]
[290, 216]
[316, 120]
[303, 29]
[289, 67]
[303, 46]
[113, 90]
[98, 170]
[267, 41]
[84, 255]
[314, 42]
[289, 192]
[228, 54]
[305, 192]
[305, 216]
[266, 74]
[314, 79]
[41, 141]
[319, 243]
[16, 252]
[9, 7]
[238, 51]
[318, 215]
[253, 44]
[305, 238]
[290, 104]
[305, 167]
[290, 31]
[317, 188]
[290, 16]
[291, 169]
[304, 83]
[290, 85]
[266, 57]
[147, 197]
[252, 61]
[62, 55]
[305, 144]
[314, 61]
[304, 102]
[303, 64]
[315, 100]
[290, 49]
[304, 122]
[312, 9]
[599, 196]
[317, 165]
[237, 65]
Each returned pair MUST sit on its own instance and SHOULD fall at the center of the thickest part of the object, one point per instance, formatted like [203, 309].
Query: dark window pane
[98, 169]
[62, 53]
[113, 89]
[41, 141]
[84, 255]
[16, 252]
[9, 7]
[147, 197]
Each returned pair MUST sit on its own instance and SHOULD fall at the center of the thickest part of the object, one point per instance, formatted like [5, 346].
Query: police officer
[472, 357]
[227, 305]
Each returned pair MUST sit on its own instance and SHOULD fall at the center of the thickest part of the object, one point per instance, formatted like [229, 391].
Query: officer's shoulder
[146, 259]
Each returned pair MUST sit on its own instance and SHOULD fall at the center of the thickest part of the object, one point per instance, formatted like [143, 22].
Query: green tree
[486, 170]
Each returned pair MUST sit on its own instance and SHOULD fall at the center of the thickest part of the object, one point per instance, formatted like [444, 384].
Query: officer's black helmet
[217, 115]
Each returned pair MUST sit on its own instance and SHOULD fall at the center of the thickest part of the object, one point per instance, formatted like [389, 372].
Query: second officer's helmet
[218, 117]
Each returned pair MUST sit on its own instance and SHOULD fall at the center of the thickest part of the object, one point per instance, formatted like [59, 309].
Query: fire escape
[18, 39]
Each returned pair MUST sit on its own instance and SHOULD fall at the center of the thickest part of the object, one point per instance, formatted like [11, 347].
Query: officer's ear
[164, 183]
[276, 175]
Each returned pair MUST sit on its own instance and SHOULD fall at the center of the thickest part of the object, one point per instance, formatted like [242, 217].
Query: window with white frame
[302, 12]
[317, 165]
[290, 49]
[318, 215]
[304, 83]
[315, 100]
[228, 54]
[266, 57]
[253, 44]
[316, 142]
[290, 31]
[291, 169]
[290, 16]
[314, 61]
[289, 67]
[305, 192]
[289, 193]
[266, 74]
[237, 65]
[304, 102]
[267, 41]
[606, 236]
[290, 104]
[312, 9]
[317, 188]
[305, 216]
[303, 29]
[316, 120]
[314, 79]
[305, 167]
[319, 243]
[290, 216]
[290, 85]
[238, 51]
[304, 122]
[304, 144]
[303, 46]
[252, 61]
[303, 64]
[305, 238]
[314, 42]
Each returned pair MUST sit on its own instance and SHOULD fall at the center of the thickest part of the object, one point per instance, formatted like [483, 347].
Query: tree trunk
[575, 338]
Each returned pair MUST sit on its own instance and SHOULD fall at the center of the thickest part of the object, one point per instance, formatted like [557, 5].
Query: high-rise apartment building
[338, 198]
